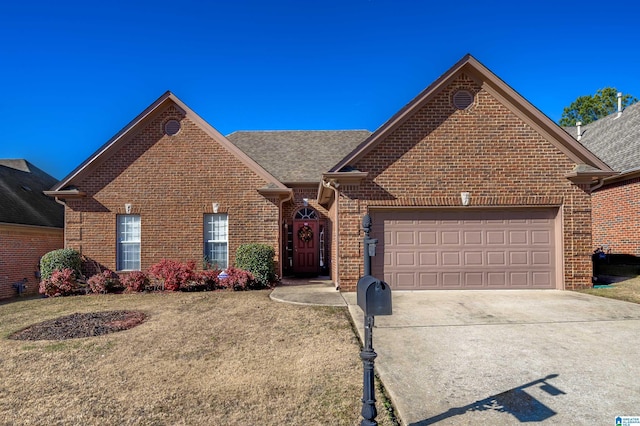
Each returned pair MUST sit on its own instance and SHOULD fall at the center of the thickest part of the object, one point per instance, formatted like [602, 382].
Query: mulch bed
[81, 325]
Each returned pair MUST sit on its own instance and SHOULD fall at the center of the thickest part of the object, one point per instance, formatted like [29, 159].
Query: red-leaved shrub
[236, 279]
[61, 283]
[135, 281]
[206, 280]
[173, 274]
[103, 282]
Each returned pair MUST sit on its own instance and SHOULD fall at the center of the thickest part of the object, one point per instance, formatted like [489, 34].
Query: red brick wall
[171, 182]
[21, 248]
[485, 150]
[616, 217]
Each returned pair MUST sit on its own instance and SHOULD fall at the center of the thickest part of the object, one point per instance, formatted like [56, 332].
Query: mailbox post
[369, 248]
[374, 298]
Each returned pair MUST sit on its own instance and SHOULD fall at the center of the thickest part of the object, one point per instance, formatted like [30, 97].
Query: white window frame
[216, 231]
[128, 230]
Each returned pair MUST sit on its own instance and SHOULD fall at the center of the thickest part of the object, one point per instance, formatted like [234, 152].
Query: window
[306, 213]
[128, 242]
[216, 240]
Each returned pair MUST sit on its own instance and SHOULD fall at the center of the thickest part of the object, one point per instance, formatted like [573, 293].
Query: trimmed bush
[258, 260]
[173, 274]
[104, 282]
[237, 279]
[135, 281]
[58, 260]
[60, 283]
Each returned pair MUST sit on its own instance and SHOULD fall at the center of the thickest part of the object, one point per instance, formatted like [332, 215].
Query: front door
[305, 242]
[306, 246]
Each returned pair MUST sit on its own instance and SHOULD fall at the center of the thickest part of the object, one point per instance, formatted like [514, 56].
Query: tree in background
[587, 109]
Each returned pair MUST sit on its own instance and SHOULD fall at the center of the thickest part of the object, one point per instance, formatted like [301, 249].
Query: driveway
[508, 357]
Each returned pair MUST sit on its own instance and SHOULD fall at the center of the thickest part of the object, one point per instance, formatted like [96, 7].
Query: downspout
[336, 227]
[64, 220]
[282, 237]
[597, 185]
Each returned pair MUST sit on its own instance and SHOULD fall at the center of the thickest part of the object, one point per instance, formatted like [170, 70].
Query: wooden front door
[306, 250]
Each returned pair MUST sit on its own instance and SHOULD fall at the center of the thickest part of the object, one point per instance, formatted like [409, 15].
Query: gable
[144, 132]
[502, 93]
[485, 148]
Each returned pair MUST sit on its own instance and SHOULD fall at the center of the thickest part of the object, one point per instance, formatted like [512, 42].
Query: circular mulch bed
[81, 325]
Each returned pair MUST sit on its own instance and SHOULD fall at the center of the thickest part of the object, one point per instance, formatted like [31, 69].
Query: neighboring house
[170, 186]
[31, 224]
[616, 204]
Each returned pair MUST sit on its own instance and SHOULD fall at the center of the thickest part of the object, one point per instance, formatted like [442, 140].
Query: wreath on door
[305, 233]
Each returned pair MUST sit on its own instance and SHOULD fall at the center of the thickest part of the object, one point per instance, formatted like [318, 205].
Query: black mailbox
[374, 296]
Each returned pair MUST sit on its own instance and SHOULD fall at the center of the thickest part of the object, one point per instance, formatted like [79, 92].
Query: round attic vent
[462, 99]
[172, 127]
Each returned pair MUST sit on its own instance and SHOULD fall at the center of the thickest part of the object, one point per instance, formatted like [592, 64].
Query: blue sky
[74, 73]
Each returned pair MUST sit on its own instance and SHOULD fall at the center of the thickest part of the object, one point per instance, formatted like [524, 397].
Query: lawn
[628, 289]
[214, 358]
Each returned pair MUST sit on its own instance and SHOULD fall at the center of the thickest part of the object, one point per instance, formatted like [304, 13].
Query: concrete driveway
[508, 357]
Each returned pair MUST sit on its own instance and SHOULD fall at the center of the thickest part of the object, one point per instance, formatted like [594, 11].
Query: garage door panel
[472, 237]
[451, 279]
[450, 237]
[439, 249]
[540, 237]
[405, 238]
[473, 258]
[540, 258]
[428, 238]
[428, 258]
[495, 237]
[405, 259]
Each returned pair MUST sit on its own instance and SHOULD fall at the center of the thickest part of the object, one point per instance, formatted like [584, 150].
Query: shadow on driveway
[524, 407]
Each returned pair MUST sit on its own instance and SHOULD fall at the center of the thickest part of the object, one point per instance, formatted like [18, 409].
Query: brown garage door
[465, 249]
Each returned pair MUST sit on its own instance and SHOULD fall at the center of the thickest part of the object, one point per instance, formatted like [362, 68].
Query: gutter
[333, 185]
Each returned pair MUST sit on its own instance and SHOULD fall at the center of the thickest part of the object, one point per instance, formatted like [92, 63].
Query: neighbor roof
[615, 139]
[298, 156]
[21, 196]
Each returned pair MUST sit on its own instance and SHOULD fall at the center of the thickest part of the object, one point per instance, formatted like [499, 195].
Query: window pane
[216, 254]
[128, 246]
[216, 239]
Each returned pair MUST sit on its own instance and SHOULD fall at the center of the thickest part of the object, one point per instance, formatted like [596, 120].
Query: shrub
[258, 259]
[60, 283]
[236, 279]
[135, 281]
[104, 282]
[208, 280]
[173, 274]
[58, 260]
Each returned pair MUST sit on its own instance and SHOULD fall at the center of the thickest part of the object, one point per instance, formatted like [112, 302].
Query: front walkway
[308, 291]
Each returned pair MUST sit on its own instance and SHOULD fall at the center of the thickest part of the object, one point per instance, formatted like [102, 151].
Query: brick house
[169, 185]
[31, 224]
[616, 202]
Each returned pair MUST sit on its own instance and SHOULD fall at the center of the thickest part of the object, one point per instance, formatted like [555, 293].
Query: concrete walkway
[315, 291]
[500, 357]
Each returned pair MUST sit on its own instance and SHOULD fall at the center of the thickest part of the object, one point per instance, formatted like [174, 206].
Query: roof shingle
[21, 198]
[616, 140]
[297, 156]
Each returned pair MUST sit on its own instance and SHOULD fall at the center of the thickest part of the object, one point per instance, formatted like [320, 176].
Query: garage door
[465, 249]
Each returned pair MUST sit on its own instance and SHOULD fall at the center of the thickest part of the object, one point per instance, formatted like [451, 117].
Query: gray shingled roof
[616, 140]
[21, 198]
[298, 155]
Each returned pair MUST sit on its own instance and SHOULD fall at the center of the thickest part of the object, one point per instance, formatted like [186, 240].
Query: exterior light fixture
[465, 197]
[215, 206]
